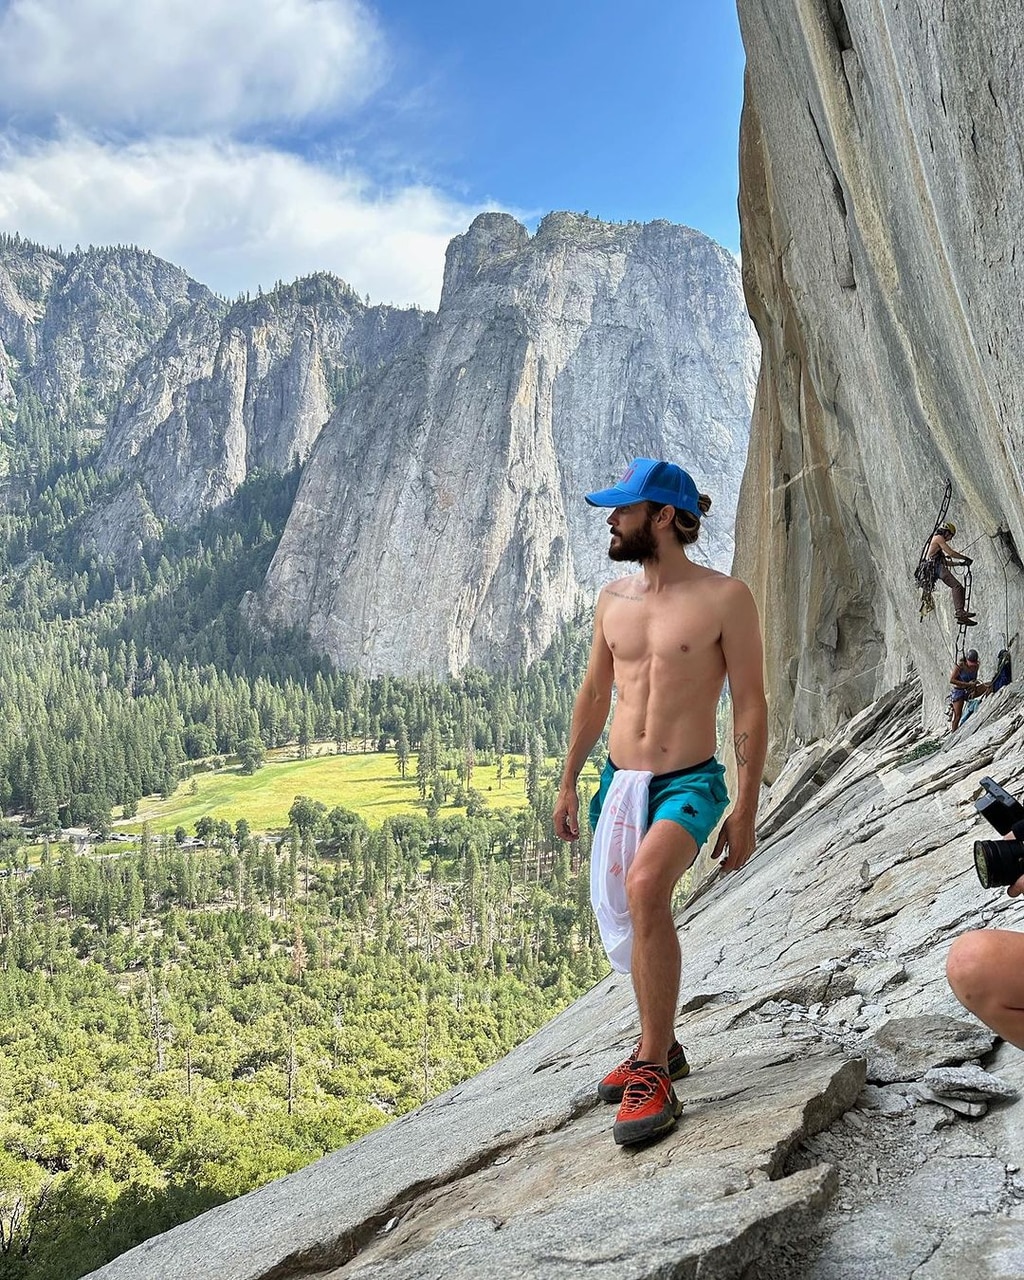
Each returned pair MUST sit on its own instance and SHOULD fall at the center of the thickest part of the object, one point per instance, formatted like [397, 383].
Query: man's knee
[666, 852]
[648, 892]
[973, 967]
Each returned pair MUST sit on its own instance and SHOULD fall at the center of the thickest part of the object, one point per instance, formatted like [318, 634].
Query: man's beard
[640, 545]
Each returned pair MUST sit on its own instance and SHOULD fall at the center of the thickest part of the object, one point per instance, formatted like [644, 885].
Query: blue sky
[256, 140]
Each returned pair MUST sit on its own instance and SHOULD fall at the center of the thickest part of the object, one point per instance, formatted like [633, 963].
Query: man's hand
[738, 835]
[1017, 888]
[566, 815]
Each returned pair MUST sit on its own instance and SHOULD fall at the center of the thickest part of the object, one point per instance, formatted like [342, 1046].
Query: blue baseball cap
[647, 480]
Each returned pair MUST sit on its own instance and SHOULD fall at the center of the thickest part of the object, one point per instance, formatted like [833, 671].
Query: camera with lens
[1000, 861]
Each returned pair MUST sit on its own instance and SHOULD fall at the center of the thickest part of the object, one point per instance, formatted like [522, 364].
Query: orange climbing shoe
[649, 1105]
[611, 1087]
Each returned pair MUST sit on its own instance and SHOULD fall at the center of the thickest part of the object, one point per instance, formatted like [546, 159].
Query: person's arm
[589, 713]
[949, 553]
[741, 645]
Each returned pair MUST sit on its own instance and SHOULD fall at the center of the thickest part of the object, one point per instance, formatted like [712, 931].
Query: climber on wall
[940, 555]
[964, 679]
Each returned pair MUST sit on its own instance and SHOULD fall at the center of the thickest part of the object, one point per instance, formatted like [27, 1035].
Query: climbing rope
[820, 693]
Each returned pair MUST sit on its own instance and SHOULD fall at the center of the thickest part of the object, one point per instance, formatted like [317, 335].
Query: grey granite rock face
[73, 324]
[27, 275]
[121, 528]
[880, 162]
[440, 518]
[189, 394]
[221, 395]
[8, 398]
[784, 1163]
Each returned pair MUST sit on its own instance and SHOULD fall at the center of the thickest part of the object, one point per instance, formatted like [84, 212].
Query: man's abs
[666, 734]
[668, 670]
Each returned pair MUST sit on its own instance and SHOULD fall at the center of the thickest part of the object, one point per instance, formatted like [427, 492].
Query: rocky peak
[552, 361]
[492, 239]
[26, 275]
[76, 322]
[225, 391]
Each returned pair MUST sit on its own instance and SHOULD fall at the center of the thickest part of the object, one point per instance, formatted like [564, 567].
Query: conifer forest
[186, 1016]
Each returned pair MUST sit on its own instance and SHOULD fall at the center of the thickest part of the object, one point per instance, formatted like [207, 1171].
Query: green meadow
[367, 784]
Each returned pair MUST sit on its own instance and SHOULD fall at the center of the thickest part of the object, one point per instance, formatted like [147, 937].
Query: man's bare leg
[665, 852]
[986, 971]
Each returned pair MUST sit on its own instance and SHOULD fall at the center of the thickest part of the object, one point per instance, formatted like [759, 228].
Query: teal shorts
[695, 798]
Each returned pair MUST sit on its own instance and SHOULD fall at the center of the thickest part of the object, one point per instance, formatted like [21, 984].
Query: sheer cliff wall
[880, 172]
[440, 519]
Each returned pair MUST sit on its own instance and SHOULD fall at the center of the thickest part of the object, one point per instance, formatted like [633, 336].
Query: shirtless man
[666, 638]
[942, 555]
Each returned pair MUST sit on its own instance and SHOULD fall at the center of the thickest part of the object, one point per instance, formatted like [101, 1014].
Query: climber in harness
[964, 681]
[965, 686]
[938, 557]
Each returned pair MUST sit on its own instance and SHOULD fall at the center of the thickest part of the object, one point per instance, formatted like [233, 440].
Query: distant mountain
[440, 518]
[190, 394]
[227, 391]
[72, 324]
[439, 521]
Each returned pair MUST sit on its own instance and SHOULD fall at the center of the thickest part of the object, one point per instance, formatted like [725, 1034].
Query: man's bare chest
[638, 629]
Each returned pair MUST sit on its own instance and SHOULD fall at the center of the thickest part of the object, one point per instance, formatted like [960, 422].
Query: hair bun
[704, 502]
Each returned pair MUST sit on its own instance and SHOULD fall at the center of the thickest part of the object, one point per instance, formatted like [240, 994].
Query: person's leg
[666, 851]
[957, 588]
[986, 972]
[958, 710]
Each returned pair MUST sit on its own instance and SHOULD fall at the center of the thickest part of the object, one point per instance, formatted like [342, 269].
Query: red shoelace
[646, 1090]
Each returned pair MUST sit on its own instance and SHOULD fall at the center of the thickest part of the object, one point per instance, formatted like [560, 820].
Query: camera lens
[998, 862]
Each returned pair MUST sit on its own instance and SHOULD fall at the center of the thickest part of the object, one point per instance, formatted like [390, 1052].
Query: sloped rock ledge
[817, 968]
[568, 1200]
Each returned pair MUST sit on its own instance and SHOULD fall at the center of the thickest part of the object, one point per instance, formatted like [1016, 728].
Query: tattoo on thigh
[740, 745]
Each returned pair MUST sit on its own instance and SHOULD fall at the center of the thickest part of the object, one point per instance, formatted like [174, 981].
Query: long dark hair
[686, 526]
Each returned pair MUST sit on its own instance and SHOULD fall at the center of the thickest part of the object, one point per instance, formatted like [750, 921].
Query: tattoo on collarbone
[740, 746]
[621, 595]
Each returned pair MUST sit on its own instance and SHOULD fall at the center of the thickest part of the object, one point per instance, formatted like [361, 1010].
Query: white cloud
[233, 216]
[177, 66]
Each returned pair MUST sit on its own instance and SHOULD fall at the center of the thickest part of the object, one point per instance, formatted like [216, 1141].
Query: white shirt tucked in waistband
[620, 828]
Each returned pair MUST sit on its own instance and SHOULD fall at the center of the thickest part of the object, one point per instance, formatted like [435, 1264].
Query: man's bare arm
[589, 713]
[950, 553]
[741, 645]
